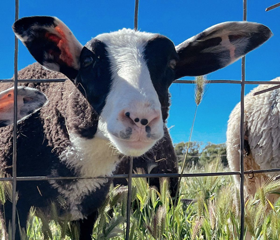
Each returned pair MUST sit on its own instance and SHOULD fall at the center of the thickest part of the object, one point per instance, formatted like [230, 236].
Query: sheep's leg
[86, 226]
[21, 217]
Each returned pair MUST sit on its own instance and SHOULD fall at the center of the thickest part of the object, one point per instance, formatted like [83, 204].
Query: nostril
[126, 117]
[127, 114]
[144, 121]
[136, 120]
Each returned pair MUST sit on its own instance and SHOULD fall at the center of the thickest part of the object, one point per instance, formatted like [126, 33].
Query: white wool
[262, 130]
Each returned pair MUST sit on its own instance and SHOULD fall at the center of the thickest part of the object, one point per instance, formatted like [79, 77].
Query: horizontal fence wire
[147, 175]
[14, 179]
[229, 82]
[33, 80]
[226, 81]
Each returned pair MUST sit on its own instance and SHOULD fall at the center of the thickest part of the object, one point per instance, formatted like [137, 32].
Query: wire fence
[14, 179]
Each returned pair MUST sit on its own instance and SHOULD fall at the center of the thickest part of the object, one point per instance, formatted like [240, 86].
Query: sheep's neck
[93, 157]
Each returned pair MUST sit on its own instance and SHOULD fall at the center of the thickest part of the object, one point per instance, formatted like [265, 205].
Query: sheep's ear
[29, 100]
[50, 42]
[219, 46]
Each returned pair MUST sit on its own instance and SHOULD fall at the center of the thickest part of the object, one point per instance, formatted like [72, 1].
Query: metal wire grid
[14, 179]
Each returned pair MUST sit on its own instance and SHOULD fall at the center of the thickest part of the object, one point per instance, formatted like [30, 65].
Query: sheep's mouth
[137, 144]
[133, 148]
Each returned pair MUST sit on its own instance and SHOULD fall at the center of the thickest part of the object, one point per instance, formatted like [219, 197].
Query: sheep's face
[125, 75]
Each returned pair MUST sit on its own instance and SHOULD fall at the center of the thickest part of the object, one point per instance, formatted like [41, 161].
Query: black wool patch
[94, 79]
[158, 53]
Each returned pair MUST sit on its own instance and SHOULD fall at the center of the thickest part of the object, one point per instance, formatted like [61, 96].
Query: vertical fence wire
[14, 182]
[242, 203]
[136, 11]
[129, 191]
[129, 195]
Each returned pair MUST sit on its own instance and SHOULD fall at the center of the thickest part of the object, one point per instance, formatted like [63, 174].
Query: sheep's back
[261, 126]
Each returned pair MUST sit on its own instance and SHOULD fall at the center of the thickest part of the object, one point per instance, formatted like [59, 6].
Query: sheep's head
[125, 75]
[29, 100]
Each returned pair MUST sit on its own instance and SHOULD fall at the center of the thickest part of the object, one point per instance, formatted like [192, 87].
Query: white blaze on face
[132, 91]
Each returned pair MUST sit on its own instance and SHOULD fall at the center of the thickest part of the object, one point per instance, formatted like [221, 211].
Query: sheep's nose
[149, 119]
[143, 121]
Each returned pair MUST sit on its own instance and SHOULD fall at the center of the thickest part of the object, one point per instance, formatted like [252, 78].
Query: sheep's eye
[88, 61]
[172, 63]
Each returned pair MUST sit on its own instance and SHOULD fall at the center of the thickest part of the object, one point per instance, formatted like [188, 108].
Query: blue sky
[178, 20]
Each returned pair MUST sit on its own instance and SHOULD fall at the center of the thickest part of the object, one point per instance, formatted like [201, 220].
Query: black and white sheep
[262, 141]
[115, 104]
[29, 100]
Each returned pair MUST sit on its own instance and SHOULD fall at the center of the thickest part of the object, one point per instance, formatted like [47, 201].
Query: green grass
[213, 212]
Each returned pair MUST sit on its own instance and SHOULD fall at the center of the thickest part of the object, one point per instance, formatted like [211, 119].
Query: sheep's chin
[132, 148]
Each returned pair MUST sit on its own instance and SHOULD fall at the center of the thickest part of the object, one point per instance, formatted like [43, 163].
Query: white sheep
[262, 137]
